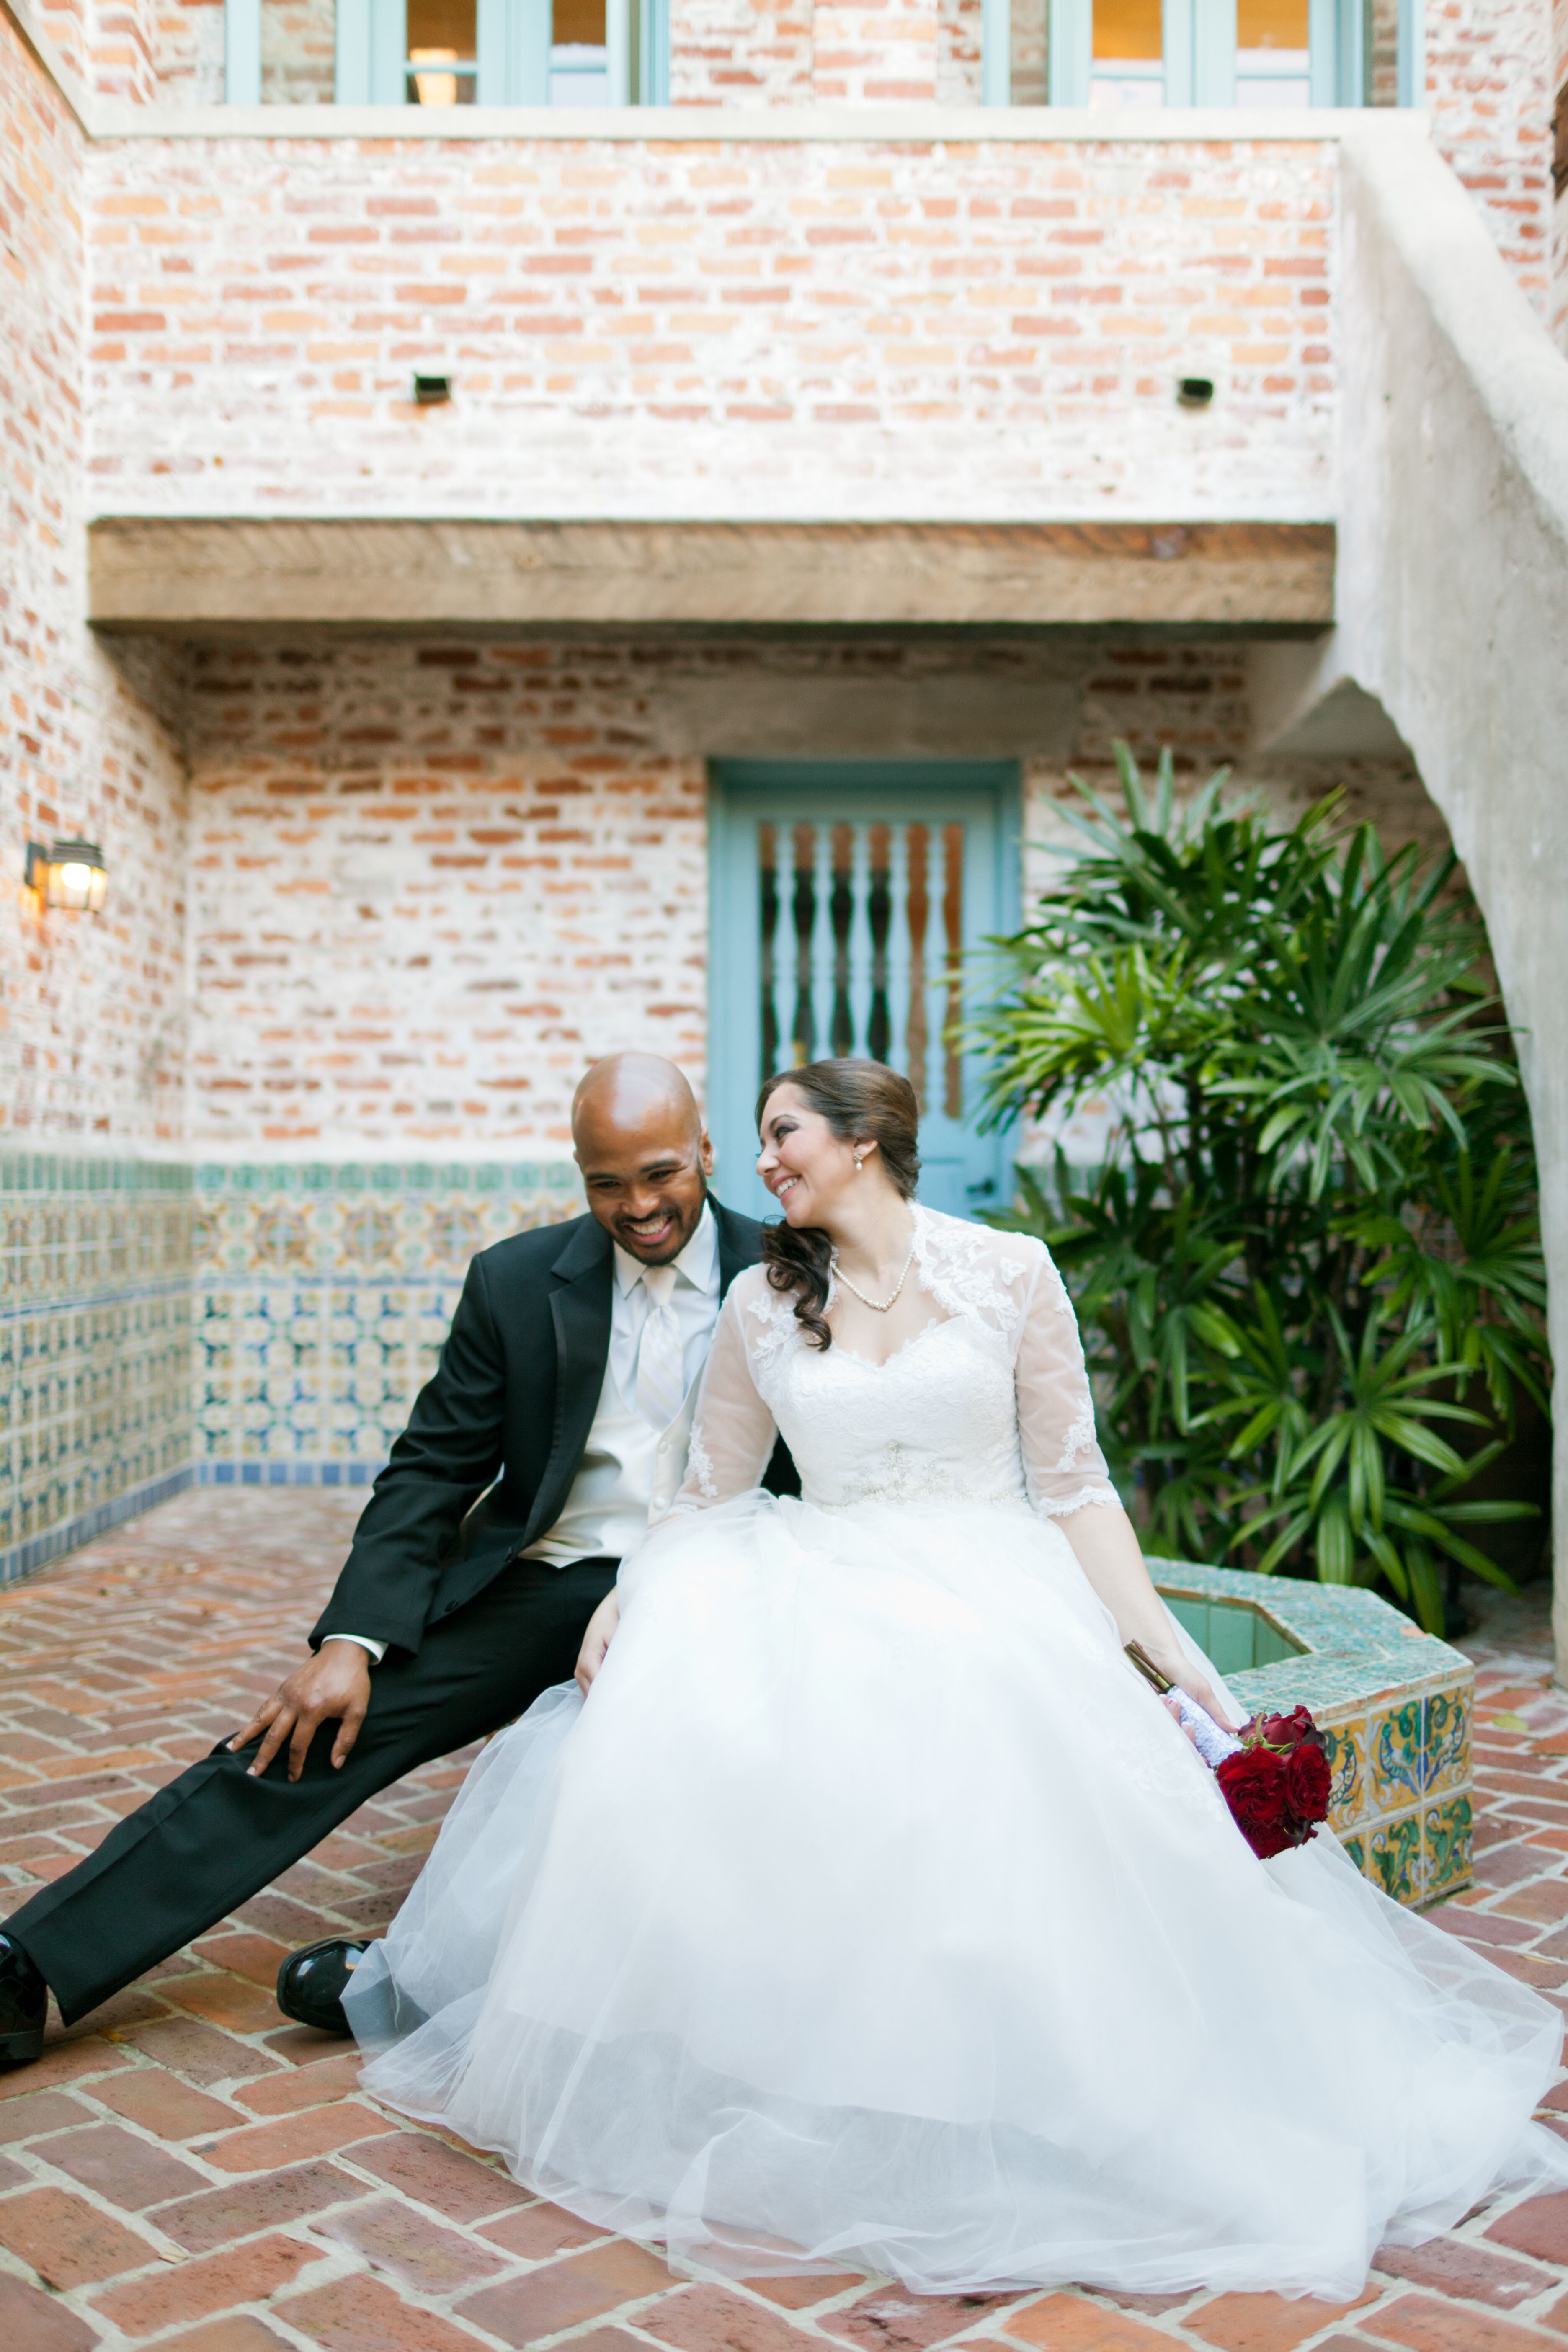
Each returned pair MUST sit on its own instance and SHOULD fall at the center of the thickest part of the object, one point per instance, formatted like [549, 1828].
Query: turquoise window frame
[514, 43]
[1199, 39]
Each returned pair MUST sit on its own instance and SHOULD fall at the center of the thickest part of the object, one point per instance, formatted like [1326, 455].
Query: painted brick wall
[769, 330]
[91, 1011]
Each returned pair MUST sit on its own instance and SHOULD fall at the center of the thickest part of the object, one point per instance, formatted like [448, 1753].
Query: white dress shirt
[629, 1470]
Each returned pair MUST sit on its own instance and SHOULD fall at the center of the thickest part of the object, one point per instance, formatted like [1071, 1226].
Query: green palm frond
[1308, 1266]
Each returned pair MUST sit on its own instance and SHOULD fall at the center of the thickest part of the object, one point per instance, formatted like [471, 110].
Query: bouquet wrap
[1273, 1773]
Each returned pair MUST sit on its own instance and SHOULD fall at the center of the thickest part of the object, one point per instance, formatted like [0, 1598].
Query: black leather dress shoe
[313, 1980]
[24, 2005]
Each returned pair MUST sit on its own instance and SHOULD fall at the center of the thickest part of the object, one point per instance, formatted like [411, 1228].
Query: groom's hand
[332, 1687]
[596, 1640]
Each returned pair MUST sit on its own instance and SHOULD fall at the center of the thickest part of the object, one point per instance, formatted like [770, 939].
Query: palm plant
[1308, 1266]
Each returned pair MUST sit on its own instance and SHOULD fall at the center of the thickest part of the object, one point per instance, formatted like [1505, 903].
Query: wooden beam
[194, 577]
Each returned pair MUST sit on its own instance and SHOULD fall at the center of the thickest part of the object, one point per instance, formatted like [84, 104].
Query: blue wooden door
[846, 894]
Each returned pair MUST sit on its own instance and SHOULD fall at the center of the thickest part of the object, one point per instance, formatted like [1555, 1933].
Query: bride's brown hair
[857, 1098]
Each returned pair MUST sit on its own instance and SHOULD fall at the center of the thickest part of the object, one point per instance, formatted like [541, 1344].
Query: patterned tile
[1394, 1857]
[1395, 1755]
[1347, 1766]
[1392, 1702]
[1445, 1837]
[95, 1398]
[1448, 1738]
[322, 1296]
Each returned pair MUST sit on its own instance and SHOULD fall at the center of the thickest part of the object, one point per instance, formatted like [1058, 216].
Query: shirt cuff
[361, 1641]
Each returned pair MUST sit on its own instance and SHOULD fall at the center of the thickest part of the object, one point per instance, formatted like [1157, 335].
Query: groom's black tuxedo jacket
[512, 1401]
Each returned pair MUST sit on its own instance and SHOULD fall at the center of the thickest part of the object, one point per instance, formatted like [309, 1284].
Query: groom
[565, 1389]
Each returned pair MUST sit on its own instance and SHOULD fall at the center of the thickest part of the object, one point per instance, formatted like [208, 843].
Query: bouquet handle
[1212, 1740]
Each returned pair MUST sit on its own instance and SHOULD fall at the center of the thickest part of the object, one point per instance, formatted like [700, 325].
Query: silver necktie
[661, 1387]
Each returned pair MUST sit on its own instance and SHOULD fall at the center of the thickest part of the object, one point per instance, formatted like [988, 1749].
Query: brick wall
[92, 1010]
[958, 49]
[742, 53]
[715, 330]
[1559, 301]
[95, 1408]
[191, 52]
[1489, 67]
[1381, 61]
[430, 881]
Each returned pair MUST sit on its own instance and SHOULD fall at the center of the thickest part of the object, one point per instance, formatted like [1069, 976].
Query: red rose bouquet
[1277, 1783]
[1273, 1773]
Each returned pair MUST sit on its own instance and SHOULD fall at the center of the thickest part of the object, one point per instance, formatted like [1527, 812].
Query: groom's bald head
[644, 1154]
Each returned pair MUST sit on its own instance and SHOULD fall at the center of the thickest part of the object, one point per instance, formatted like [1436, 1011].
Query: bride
[870, 1911]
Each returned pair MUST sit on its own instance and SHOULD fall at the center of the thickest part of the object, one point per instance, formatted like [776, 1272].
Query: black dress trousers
[205, 1843]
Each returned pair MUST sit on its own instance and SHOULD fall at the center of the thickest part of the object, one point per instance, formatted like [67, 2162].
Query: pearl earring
[860, 1163]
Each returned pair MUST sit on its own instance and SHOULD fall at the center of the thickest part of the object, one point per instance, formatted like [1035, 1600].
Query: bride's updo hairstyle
[859, 1100]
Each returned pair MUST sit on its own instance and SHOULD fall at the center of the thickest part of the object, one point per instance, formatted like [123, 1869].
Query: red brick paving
[185, 2168]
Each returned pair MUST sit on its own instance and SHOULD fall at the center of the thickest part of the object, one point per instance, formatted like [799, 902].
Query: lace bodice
[990, 1402]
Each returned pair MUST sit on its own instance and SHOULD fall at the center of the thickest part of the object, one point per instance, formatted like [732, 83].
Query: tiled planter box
[1393, 1703]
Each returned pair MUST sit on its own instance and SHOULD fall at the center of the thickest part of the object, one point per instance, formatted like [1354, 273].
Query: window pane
[1128, 29]
[579, 62]
[442, 52]
[578, 20]
[298, 40]
[1271, 23]
[1272, 63]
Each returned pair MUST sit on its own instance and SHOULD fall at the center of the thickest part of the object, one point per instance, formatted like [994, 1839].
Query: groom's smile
[644, 1154]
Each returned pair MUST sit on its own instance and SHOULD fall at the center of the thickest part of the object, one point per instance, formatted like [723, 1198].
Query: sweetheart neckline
[869, 1363]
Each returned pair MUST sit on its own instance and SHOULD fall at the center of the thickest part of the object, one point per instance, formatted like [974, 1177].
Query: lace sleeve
[732, 1431]
[1062, 1465]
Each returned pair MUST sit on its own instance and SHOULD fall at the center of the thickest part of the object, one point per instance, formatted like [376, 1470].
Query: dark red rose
[1252, 1782]
[1289, 1730]
[1307, 1782]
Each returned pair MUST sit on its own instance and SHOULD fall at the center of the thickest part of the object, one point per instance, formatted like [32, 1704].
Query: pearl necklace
[878, 1305]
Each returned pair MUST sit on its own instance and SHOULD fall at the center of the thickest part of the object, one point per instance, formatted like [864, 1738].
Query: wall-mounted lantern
[70, 874]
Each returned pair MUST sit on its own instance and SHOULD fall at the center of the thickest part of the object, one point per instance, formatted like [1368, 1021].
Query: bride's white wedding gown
[871, 1912]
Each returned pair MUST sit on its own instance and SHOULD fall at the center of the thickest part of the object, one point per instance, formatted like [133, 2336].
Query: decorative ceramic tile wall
[322, 1296]
[1395, 1704]
[95, 1390]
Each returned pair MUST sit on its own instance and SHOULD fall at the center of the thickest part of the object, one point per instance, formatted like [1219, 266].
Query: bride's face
[802, 1161]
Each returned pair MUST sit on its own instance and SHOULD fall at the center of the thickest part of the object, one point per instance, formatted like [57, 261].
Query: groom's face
[646, 1177]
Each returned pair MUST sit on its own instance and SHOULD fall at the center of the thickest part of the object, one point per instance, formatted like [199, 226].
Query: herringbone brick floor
[186, 2169]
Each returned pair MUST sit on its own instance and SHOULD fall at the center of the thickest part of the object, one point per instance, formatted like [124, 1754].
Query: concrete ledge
[192, 578]
[694, 125]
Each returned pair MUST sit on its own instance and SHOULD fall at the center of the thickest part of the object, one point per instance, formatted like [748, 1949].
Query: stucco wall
[1454, 594]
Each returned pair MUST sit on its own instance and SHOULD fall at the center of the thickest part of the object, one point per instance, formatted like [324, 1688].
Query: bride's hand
[1186, 1678]
[596, 1640]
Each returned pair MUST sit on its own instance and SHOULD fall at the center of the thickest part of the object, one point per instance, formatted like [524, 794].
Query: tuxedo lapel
[740, 1243]
[580, 1308]
[581, 1303]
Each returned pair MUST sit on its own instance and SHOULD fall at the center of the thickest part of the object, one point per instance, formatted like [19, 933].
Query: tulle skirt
[871, 1913]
